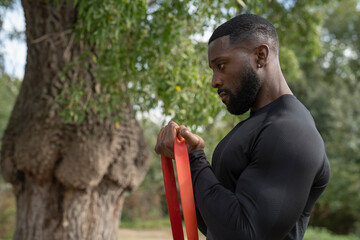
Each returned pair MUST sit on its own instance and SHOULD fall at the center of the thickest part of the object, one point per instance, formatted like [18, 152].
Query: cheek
[235, 77]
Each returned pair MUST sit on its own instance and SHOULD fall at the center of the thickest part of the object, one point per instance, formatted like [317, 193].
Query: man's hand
[194, 142]
[167, 135]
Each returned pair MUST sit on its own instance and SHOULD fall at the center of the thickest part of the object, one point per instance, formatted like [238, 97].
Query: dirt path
[147, 234]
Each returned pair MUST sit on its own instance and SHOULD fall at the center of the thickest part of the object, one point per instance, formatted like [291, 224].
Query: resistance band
[186, 192]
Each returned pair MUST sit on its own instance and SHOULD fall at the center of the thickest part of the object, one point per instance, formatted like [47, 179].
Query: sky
[14, 50]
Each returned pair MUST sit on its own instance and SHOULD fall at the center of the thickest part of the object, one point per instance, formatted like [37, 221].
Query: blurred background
[319, 55]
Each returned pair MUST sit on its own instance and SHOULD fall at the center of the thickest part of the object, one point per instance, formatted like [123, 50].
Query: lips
[224, 96]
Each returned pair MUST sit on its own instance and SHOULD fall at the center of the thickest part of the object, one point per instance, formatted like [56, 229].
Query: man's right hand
[167, 135]
[193, 141]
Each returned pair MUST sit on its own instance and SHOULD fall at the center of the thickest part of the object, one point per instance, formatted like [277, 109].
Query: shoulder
[288, 133]
[285, 112]
[289, 117]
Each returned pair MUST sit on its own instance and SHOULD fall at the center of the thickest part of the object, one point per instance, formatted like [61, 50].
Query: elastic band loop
[186, 193]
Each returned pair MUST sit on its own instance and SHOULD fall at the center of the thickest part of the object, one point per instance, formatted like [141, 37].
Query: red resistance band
[186, 193]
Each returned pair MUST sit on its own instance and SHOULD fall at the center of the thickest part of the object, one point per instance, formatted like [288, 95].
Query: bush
[323, 234]
[7, 212]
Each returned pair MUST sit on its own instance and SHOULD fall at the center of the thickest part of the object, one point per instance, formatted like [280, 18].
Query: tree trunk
[69, 179]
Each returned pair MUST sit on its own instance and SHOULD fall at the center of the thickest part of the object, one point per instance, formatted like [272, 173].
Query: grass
[324, 234]
[312, 233]
[147, 224]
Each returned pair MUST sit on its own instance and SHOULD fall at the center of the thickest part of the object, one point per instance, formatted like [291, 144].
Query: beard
[245, 96]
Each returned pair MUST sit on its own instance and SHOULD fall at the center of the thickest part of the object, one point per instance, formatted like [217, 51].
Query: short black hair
[245, 27]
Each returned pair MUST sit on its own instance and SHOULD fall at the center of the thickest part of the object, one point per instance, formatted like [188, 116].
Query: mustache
[223, 90]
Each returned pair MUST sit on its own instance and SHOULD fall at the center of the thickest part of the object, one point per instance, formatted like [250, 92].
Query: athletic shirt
[265, 178]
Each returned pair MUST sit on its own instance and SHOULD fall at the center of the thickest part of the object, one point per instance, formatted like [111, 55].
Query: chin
[237, 111]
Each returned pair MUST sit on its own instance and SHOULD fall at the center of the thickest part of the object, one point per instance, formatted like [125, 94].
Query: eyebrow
[214, 60]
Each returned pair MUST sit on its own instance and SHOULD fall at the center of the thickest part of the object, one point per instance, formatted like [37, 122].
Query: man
[270, 169]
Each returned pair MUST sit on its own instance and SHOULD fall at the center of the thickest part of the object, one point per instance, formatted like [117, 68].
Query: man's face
[233, 76]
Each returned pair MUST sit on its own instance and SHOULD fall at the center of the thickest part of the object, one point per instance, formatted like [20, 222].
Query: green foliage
[143, 51]
[9, 88]
[146, 51]
[7, 211]
[299, 25]
[146, 224]
[323, 234]
[4, 5]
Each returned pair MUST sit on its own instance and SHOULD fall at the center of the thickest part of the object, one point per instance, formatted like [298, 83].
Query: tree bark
[69, 179]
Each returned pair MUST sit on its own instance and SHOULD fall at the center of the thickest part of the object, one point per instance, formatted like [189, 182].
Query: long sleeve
[271, 192]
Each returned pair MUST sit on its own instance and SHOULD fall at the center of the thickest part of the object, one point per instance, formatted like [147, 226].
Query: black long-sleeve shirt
[265, 176]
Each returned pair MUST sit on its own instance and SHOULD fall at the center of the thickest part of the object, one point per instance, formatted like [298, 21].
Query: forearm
[219, 207]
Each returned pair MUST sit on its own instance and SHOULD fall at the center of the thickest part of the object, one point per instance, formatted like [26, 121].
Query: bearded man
[270, 169]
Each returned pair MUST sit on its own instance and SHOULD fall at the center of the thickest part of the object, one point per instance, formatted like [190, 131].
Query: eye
[221, 66]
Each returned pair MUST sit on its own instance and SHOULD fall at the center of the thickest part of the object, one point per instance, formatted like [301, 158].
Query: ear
[262, 55]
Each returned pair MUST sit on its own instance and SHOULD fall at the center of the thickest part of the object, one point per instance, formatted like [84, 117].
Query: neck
[273, 87]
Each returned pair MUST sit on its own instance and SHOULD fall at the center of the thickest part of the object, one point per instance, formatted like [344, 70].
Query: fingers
[167, 135]
[166, 138]
[193, 141]
[190, 138]
[159, 139]
[179, 136]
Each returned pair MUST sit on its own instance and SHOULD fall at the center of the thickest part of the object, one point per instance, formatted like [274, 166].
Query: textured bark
[69, 180]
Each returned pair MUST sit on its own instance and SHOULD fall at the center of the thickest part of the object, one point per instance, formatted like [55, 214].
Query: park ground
[148, 234]
[164, 233]
[144, 234]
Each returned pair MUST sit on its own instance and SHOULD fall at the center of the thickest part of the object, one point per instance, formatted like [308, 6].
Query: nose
[216, 81]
